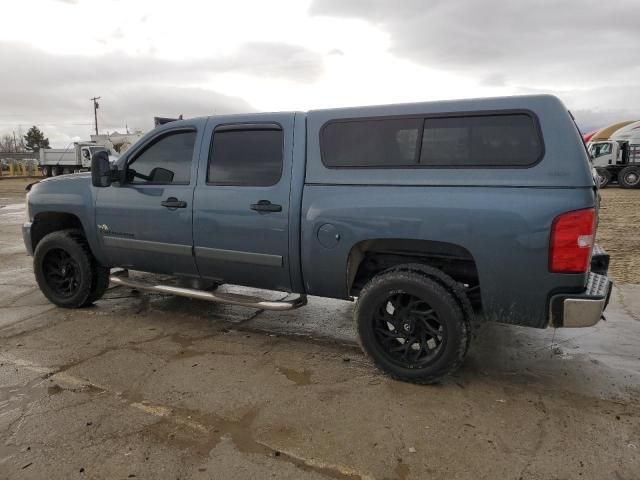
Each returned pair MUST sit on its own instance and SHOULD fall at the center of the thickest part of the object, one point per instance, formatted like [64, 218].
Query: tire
[629, 177]
[604, 177]
[56, 171]
[66, 271]
[99, 285]
[411, 326]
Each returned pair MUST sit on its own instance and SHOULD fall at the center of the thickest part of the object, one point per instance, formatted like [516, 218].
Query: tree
[6, 143]
[35, 140]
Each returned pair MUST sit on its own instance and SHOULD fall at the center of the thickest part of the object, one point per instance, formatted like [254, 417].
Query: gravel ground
[619, 232]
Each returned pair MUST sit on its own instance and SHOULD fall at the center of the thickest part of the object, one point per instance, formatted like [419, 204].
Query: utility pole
[95, 111]
[15, 145]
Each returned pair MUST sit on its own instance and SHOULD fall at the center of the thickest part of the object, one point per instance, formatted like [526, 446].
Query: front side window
[249, 157]
[165, 161]
[599, 149]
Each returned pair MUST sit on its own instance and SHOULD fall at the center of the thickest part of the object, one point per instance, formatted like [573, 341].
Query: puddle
[54, 389]
[298, 377]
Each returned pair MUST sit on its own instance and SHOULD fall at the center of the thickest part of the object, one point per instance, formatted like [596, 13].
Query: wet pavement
[153, 386]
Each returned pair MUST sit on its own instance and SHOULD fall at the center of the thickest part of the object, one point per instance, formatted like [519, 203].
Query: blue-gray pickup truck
[434, 216]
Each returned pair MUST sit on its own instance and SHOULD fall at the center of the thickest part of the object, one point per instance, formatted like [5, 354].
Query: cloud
[272, 59]
[580, 50]
[52, 89]
[574, 41]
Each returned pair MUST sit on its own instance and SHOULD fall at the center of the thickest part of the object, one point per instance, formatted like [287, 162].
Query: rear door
[241, 203]
[145, 223]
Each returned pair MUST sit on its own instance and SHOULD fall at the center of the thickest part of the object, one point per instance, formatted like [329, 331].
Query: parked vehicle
[617, 159]
[76, 158]
[435, 216]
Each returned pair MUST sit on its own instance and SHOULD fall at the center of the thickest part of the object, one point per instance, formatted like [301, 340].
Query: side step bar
[228, 298]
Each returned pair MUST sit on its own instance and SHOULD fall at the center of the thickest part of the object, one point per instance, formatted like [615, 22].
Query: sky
[148, 58]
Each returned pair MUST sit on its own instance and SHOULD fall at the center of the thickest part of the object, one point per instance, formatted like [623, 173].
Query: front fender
[72, 195]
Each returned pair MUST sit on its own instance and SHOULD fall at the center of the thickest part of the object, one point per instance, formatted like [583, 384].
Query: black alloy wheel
[407, 330]
[411, 325]
[62, 272]
[66, 270]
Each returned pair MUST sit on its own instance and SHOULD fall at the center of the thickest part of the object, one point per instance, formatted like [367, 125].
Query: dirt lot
[154, 387]
[619, 232]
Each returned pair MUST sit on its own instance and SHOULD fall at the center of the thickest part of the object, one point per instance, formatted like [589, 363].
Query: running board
[228, 298]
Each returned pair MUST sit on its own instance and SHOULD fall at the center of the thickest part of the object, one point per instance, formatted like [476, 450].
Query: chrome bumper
[26, 236]
[584, 309]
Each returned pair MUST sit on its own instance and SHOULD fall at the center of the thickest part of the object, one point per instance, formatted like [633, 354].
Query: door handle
[173, 202]
[266, 206]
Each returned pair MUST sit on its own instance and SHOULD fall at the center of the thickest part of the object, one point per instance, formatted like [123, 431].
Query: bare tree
[7, 143]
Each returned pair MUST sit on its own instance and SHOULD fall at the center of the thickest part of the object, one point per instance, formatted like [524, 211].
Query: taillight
[572, 238]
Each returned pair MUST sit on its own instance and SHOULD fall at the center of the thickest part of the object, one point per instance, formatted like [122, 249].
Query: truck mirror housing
[100, 170]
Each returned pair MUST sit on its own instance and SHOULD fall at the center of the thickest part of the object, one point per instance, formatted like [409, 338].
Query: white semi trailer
[617, 159]
[76, 158]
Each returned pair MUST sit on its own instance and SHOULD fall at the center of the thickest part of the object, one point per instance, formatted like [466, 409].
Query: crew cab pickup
[434, 216]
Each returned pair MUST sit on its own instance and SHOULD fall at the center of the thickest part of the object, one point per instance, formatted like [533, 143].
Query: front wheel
[411, 326]
[603, 176]
[66, 271]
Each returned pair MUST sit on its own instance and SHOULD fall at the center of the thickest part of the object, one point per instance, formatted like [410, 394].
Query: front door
[241, 203]
[145, 222]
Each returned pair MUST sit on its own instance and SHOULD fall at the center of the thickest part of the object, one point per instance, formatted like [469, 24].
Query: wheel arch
[45, 223]
[368, 258]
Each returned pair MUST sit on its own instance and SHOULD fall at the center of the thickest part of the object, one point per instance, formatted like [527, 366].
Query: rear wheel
[629, 177]
[66, 271]
[56, 171]
[604, 177]
[411, 326]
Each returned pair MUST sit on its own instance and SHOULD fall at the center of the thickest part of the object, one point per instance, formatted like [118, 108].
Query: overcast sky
[148, 58]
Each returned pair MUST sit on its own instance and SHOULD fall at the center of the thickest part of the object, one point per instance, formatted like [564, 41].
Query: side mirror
[100, 170]
[161, 175]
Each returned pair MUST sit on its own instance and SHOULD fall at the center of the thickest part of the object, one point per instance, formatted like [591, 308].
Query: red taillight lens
[572, 237]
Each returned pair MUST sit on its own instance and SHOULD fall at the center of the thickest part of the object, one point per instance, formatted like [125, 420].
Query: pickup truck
[435, 216]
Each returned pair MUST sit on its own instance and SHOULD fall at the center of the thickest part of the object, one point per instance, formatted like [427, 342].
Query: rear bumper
[584, 309]
[26, 236]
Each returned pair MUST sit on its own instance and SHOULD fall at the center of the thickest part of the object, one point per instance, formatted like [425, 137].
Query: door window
[165, 161]
[600, 149]
[246, 157]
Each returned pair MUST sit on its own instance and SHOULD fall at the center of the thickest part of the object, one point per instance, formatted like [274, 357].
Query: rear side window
[496, 140]
[251, 157]
[369, 143]
[510, 140]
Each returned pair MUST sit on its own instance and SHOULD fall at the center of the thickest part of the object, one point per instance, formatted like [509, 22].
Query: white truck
[617, 159]
[76, 158]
